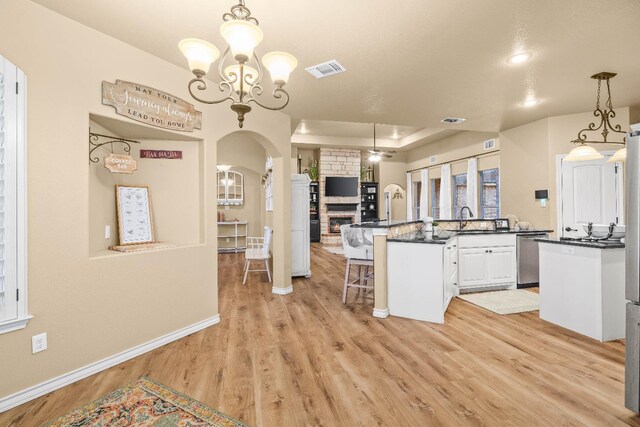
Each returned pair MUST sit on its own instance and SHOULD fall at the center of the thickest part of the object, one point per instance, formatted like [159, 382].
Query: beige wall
[93, 308]
[457, 146]
[524, 169]
[393, 171]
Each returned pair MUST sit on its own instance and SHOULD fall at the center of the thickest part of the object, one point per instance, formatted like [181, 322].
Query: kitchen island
[582, 287]
[425, 271]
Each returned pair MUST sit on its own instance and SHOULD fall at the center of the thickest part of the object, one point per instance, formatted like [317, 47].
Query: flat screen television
[341, 186]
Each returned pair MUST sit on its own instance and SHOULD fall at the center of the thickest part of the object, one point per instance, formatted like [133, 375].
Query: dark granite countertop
[596, 245]
[444, 236]
[384, 224]
[419, 237]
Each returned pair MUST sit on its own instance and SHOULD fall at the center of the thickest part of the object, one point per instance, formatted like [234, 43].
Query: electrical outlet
[39, 343]
[228, 240]
[226, 208]
[107, 231]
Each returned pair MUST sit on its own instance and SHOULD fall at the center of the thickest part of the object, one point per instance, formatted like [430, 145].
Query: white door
[472, 267]
[591, 192]
[501, 265]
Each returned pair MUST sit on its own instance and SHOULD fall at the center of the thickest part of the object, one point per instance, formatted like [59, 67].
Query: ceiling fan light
[375, 157]
[583, 153]
[232, 72]
[242, 37]
[280, 66]
[619, 156]
[200, 54]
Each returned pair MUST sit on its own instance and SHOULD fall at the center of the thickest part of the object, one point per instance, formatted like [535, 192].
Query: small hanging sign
[120, 163]
[151, 106]
[160, 154]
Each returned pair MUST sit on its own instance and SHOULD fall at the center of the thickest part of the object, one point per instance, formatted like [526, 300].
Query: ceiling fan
[376, 155]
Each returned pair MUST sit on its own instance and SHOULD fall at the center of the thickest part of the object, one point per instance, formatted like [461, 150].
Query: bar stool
[359, 253]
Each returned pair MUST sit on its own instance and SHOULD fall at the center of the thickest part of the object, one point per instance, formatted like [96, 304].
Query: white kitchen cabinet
[487, 261]
[450, 265]
[501, 265]
[473, 267]
[300, 237]
[419, 280]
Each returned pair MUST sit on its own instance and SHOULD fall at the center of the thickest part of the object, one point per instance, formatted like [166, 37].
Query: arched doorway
[248, 151]
[394, 202]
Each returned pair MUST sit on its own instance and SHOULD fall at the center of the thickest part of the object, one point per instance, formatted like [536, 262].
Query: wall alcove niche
[175, 185]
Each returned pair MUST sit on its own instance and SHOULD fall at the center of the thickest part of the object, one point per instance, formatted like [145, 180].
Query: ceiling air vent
[452, 120]
[489, 144]
[326, 69]
[433, 159]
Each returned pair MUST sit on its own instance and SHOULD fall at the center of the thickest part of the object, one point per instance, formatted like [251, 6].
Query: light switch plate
[107, 231]
[39, 343]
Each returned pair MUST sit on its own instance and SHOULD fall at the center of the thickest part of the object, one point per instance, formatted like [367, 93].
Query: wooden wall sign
[120, 163]
[151, 106]
[160, 154]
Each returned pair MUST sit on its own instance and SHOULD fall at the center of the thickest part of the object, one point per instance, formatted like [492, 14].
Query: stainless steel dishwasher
[528, 259]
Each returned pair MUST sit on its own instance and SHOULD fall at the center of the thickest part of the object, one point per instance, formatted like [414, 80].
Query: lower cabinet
[483, 265]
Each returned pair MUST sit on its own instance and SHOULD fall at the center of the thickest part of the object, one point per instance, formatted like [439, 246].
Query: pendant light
[584, 152]
[241, 82]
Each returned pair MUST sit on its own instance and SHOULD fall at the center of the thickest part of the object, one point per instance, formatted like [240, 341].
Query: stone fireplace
[336, 221]
[337, 162]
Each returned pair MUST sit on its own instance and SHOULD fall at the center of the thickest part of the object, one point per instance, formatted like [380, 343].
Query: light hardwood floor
[306, 359]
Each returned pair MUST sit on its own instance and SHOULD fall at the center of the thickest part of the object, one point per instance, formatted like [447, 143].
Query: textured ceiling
[413, 62]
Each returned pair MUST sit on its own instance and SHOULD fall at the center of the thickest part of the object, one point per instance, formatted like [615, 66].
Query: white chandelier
[241, 81]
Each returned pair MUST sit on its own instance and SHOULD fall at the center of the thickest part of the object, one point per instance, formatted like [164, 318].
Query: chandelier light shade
[199, 53]
[619, 156]
[583, 153]
[242, 37]
[239, 71]
[280, 66]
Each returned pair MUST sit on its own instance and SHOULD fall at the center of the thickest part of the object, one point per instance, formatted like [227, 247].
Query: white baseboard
[48, 386]
[381, 314]
[282, 291]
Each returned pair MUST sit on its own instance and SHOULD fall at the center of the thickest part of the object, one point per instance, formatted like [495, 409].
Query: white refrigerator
[632, 271]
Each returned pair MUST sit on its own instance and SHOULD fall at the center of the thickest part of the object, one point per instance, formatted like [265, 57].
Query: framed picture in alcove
[135, 222]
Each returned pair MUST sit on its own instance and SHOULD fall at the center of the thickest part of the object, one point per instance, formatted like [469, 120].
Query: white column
[445, 192]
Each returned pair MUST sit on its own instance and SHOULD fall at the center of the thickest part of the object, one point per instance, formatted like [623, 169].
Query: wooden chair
[258, 250]
[358, 249]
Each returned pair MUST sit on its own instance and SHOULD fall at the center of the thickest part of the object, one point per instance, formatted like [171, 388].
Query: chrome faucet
[462, 226]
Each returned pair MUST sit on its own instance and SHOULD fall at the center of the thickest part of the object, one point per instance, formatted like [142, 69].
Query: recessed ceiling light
[519, 58]
[453, 120]
[530, 102]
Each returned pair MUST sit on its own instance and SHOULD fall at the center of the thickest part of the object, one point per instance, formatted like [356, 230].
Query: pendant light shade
[199, 53]
[280, 65]
[619, 156]
[583, 153]
[250, 76]
[242, 38]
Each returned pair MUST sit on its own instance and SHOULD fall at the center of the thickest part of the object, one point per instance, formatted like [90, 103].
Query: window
[230, 188]
[417, 191]
[13, 253]
[490, 193]
[435, 198]
[459, 194]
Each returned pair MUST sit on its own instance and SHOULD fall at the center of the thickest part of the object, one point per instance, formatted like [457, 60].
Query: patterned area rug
[505, 302]
[338, 250]
[145, 403]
